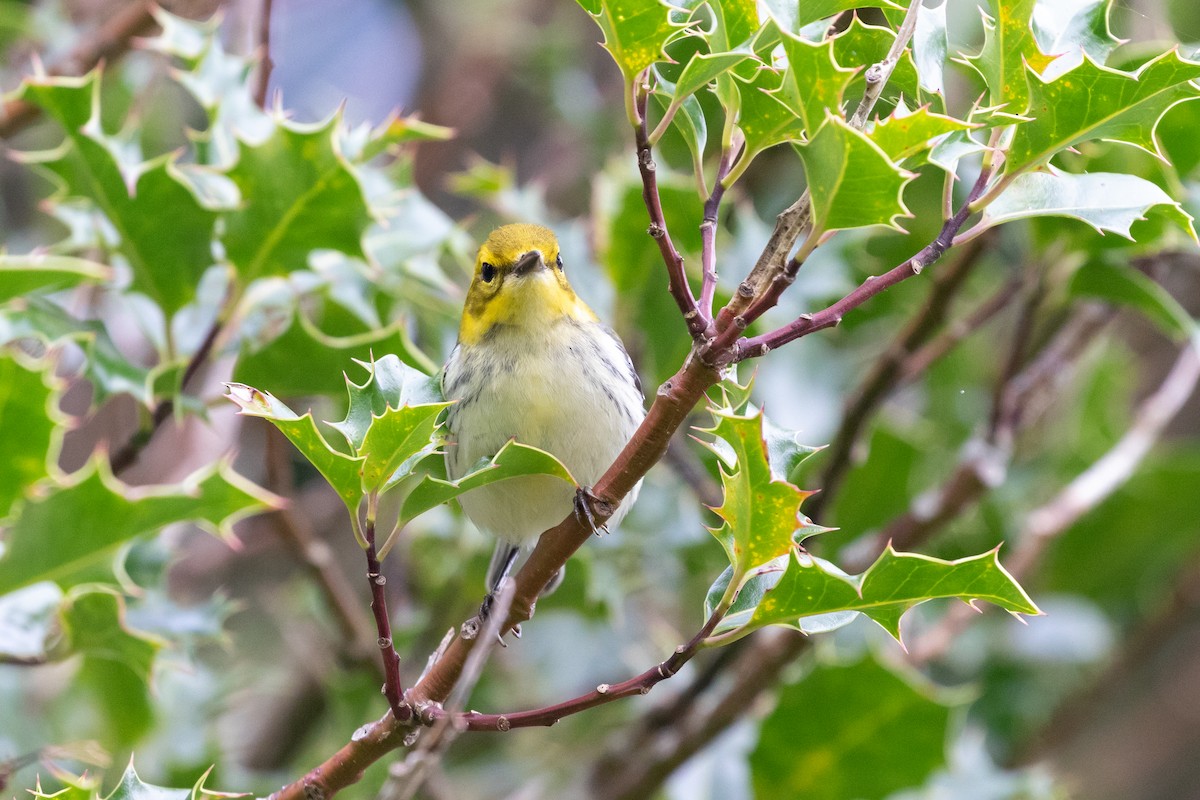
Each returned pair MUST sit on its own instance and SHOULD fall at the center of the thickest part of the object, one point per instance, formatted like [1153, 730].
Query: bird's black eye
[487, 272]
[558, 261]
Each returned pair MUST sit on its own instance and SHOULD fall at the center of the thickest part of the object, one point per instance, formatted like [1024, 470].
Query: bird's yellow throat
[518, 281]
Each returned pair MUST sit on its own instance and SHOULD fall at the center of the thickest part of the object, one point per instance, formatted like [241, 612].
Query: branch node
[806, 317]
[695, 312]
[875, 72]
[656, 231]
[745, 289]
[602, 688]
[411, 737]
[917, 265]
[383, 642]
[664, 390]
[740, 322]
[647, 160]
[313, 791]
[470, 628]
[503, 725]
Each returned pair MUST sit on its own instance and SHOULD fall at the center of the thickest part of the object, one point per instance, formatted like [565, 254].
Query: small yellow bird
[535, 363]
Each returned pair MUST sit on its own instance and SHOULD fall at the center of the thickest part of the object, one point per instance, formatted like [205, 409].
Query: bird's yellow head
[519, 281]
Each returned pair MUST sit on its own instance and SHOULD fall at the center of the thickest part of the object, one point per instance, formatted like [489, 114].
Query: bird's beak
[529, 262]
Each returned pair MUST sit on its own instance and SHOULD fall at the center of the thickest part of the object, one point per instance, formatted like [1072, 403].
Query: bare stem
[602, 694]
[832, 315]
[265, 64]
[681, 290]
[393, 689]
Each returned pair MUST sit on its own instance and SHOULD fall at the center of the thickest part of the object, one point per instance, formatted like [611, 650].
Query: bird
[534, 363]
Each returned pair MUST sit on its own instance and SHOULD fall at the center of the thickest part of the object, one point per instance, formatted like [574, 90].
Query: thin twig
[393, 687]
[832, 315]
[265, 64]
[708, 233]
[695, 318]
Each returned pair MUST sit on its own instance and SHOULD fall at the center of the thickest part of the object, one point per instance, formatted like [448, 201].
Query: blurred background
[1099, 699]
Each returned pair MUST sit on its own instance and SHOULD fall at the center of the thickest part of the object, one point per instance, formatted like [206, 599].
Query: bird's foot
[588, 507]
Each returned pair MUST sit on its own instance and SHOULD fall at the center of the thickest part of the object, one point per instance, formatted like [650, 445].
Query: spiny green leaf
[104, 366]
[344, 472]
[765, 121]
[1106, 201]
[811, 587]
[761, 510]
[132, 787]
[929, 46]
[390, 383]
[852, 181]
[323, 356]
[792, 16]
[853, 716]
[163, 230]
[30, 425]
[77, 524]
[365, 142]
[1095, 102]
[813, 83]
[299, 194]
[40, 272]
[512, 460]
[635, 32]
[701, 70]
[688, 121]
[906, 133]
[396, 436]
[1128, 287]
[93, 620]
[1008, 46]
[1066, 29]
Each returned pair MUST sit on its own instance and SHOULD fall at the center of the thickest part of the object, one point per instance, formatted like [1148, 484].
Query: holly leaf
[299, 194]
[1108, 202]
[324, 356]
[765, 120]
[390, 383]
[792, 16]
[1067, 29]
[760, 511]
[1008, 46]
[852, 181]
[30, 425]
[162, 229]
[72, 527]
[92, 619]
[1094, 102]
[396, 436]
[342, 471]
[132, 787]
[802, 592]
[930, 43]
[512, 460]
[813, 83]
[40, 272]
[853, 715]
[104, 366]
[688, 120]
[635, 31]
[701, 70]
[905, 133]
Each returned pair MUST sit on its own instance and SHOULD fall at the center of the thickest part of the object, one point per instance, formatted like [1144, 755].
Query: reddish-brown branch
[604, 693]
[393, 689]
[696, 319]
[110, 40]
[831, 316]
[708, 235]
[265, 64]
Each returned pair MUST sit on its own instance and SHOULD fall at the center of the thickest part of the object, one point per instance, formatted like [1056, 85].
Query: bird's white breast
[567, 388]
